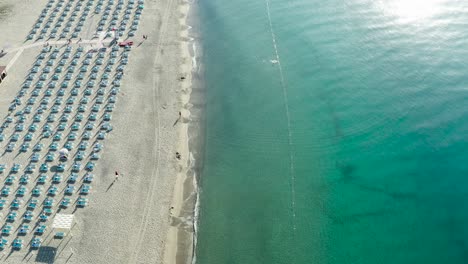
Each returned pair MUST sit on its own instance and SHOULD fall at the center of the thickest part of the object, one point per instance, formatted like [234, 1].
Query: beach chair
[88, 178]
[43, 217]
[27, 109]
[21, 191]
[57, 136]
[87, 135]
[52, 191]
[24, 147]
[57, 178]
[27, 84]
[24, 179]
[101, 136]
[48, 92]
[10, 180]
[47, 69]
[37, 191]
[48, 202]
[48, 211]
[98, 147]
[76, 167]
[53, 146]
[29, 136]
[92, 117]
[69, 190]
[36, 243]
[106, 126]
[82, 146]
[19, 128]
[68, 109]
[99, 99]
[84, 100]
[22, 119]
[3, 243]
[5, 191]
[6, 230]
[44, 168]
[24, 230]
[42, 179]
[82, 202]
[15, 137]
[59, 69]
[17, 244]
[28, 216]
[90, 166]
[38, 147]
[61, 92]
[40, 230]
[11, 217]
[10, 147]
[30, 168]
[32, 204]
[59, 235]
[101, 91]
[104, 83]
[73, 177]
[62, 126]
[96, 108]
[34, 93]
[2, 168]
[88, 92]
[15, 204]
[16, 167]
[72, 136]
[75, 126]
[33, 128]
[95, 156]
[58, 101]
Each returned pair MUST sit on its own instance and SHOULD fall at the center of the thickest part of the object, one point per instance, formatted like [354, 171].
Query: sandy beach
[146, 215]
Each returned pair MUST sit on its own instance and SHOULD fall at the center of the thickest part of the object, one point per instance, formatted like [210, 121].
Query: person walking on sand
[116, 175]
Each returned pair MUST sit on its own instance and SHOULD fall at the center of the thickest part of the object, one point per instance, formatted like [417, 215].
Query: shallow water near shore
[370, 164]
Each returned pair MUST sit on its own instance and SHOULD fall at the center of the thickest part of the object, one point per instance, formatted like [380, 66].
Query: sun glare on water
[411, 10]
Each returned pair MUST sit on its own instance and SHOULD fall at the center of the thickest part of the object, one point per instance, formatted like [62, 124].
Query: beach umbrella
[63, 152]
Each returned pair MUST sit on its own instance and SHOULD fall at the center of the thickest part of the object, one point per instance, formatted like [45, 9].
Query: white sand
[127, 220]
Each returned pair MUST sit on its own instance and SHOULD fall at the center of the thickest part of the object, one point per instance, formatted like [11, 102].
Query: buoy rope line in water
[288, 118]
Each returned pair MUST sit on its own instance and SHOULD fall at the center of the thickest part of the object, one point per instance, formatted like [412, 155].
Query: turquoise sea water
[371, 164]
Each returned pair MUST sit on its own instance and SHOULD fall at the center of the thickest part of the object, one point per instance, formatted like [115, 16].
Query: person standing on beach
[116, 175]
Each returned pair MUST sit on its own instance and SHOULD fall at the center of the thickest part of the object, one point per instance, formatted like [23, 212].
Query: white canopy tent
[63, 153]
[63, 222]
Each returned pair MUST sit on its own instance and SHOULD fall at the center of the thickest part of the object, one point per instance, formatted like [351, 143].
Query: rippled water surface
[351, 149]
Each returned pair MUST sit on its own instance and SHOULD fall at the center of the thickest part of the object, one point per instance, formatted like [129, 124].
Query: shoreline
[181, 235]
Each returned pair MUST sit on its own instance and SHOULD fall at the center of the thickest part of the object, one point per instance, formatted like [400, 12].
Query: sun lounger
[30, 168]
[28, 216]
[82, 202]
[21, 191]
[11, 217]
[37, 191]
[24, 180]
[17, 244]
[36, 243]
[6, 230]
[57, 178]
